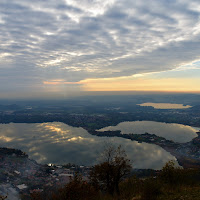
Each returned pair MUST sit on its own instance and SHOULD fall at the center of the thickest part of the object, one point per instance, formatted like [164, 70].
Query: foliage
[151, 189]
[130, 188]
[171, 183]
[113, 168]
[3, 197]
[77, 189]
[170, 174]
[36, 196]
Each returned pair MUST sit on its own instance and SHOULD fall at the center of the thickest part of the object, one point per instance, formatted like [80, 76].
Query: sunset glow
[58, 49]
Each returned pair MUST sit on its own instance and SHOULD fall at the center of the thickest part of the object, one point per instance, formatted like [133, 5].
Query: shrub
[151, 189]
[170, 174]
[130, 188]
[77, 189]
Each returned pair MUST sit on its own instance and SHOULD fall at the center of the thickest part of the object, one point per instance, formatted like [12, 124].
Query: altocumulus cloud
[75, 40]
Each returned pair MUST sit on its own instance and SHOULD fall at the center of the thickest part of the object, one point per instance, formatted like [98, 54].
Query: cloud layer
[75, 40]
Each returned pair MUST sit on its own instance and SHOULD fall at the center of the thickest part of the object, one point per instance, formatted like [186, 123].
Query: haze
[65, 48]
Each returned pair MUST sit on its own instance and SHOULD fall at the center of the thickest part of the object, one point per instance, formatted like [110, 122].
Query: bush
[77, 189]
[151, 189]
[3, 197]
[130, 188]
[170, 174]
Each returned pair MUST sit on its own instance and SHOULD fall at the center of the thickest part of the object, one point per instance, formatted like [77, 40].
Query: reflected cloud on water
[59, 143]
[176, 132]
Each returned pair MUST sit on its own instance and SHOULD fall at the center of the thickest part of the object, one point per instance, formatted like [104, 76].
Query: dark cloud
[75, 40]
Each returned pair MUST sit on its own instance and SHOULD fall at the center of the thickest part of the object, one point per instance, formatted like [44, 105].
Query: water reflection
[165, 105]
[176, 132]
[59, 143]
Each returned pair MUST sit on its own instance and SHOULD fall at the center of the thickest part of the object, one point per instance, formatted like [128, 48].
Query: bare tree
[112, 169]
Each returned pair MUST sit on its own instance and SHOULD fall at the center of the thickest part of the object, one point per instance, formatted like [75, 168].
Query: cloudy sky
[59, 48]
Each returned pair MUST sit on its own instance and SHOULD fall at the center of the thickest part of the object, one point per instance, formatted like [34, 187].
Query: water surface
[166, 105]
[170, 131]
[59, 143]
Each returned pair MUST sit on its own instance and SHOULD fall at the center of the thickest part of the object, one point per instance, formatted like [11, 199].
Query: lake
[60, 143]
[165, 105]
[170, 131]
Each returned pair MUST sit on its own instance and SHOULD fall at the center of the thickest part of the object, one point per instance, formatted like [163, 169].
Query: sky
[63, 48]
